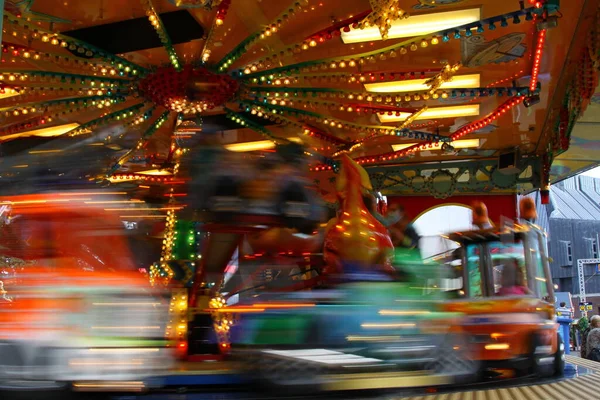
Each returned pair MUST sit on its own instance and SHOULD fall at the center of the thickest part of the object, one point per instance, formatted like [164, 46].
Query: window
[568, 252]
[508, 263]
[474, 271]
[537, 257]
[565, 285]
[592, 247]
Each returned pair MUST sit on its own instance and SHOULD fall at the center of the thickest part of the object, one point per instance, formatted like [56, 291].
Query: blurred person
[481, 219]
[583, 325]
[512, 280]
[593, 339]
[392, 217]
[403, 232]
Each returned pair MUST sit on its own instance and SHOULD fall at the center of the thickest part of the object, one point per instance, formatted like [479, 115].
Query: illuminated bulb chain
[537, 59]
[266, 32]
[15, 77]
[100, 100]
[170, 232]
[509, 79]
[207, 4]
[140, 144]
[142, 116]
[105, 119]
[177, 327]
[294, 98]
[306, 131]
[236, 117]
[22, 53]
[359, 96]
[35, 32]
[347, 150]
[298, 95]
[372, 132]
[268, 111]
[222, 321]
[311, 76]
[49, 117]
[25, 94]
[385, 53]
[168, 242]
[141, 177]
[470, 128]
[163, 35]
[218, 21]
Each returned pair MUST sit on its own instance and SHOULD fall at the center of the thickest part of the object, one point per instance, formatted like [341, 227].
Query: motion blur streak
[74, 306]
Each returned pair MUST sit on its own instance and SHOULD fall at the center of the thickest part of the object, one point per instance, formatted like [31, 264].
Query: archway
[440, 220]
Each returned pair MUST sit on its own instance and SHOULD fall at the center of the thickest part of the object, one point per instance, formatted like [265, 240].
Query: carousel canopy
[427, 95]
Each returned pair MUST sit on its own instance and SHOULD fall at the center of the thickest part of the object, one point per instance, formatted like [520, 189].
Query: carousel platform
[581, 380]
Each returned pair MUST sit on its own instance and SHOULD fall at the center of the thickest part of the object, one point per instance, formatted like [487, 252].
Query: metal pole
[581, 277]
[1, 20]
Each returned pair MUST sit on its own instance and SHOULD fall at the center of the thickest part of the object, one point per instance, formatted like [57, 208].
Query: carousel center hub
[190, 90]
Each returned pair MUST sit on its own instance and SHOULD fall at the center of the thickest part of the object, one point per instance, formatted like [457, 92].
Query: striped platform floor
[585, 387]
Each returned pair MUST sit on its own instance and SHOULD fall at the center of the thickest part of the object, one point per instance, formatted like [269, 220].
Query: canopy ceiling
[584, 150]
[292, 61]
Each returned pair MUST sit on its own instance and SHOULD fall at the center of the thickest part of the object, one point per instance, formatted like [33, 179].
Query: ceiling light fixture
[44, 132]
[155, 172]
[435, 112]
[457, 144]
[418, 85]
[416, 25]
[259, 145]
[9, 93]
[44, 151]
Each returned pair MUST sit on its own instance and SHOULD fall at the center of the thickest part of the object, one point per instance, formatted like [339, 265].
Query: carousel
[256, 141]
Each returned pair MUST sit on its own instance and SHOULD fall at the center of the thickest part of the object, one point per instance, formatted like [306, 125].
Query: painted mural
[477, 52]
[584, 149]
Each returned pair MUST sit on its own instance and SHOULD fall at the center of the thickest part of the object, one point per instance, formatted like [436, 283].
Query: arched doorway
[440, 220]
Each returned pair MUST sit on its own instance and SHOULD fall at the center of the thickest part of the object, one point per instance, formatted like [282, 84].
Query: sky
[595, 173]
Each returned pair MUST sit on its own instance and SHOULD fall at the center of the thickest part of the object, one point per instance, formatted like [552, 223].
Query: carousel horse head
[352, 177]
[355, 236]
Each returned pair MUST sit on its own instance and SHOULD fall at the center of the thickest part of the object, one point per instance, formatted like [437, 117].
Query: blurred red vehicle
[75, 309]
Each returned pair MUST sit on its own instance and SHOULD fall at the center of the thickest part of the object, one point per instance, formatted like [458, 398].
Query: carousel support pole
[209, 327]
[1, 20]
[218, 251]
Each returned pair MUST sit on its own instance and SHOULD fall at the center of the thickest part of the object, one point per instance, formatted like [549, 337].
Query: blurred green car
[367, 331]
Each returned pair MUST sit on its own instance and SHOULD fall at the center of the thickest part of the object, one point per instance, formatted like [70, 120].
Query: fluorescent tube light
[435, 112]
[154, 172]
[457, 144]
[251, 146]
[416, 25]
[418, 85]
[258, 145]
[44, 132]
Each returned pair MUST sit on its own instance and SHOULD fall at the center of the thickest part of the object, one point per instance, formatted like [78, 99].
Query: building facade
[572, 220]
